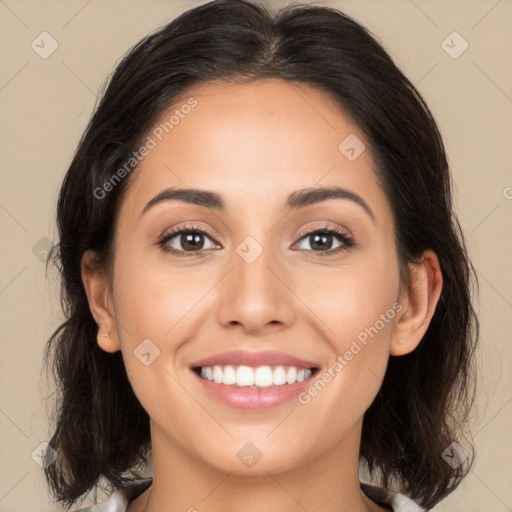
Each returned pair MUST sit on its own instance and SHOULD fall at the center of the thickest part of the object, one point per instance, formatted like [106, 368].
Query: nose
[257, 295]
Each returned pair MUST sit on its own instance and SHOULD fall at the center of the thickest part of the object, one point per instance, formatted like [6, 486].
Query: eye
[321, 240]
[188, 239]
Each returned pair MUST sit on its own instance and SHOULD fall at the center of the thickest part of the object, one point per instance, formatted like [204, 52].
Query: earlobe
[419, 301]
[95, 281]
[107, 343]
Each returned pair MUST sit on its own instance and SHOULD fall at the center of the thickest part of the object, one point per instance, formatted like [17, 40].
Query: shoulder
[398, 501]
[119, 500]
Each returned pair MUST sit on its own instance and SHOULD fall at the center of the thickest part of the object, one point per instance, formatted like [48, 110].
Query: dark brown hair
[100, 428]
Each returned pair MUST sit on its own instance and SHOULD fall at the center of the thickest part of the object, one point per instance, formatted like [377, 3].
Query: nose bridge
[252, 262]
[255, 253]
[254, 294]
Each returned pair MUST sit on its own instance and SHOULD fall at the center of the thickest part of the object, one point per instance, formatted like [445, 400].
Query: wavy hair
[426, 396]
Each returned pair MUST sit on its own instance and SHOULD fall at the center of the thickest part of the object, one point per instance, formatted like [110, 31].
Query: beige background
[45, 104]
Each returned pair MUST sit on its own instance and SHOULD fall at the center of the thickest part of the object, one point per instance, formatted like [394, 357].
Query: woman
[266, 286]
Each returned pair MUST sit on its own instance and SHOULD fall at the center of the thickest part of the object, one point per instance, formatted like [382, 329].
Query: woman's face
[259, 283]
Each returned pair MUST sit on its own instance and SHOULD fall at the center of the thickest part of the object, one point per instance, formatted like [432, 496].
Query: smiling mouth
[254, 377]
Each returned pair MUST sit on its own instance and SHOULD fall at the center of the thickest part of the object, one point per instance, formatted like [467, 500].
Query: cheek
[159, 309]
[355, 307]
[152, 297]
[353, 297]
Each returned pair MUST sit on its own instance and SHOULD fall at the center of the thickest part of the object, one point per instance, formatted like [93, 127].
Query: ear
[418, 300]
[96, 286]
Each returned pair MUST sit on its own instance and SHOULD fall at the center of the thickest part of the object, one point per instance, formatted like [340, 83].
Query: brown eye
[187, 240]
[324, 240]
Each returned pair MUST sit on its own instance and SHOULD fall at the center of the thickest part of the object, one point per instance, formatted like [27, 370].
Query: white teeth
[279, 376]
[217, 374]
[262, 376]
[228, 375]
[291, 375]
[244, 376]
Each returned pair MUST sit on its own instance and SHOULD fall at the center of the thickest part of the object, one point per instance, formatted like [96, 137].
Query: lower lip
[255, 399]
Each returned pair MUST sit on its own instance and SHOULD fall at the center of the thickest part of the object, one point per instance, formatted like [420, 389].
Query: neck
[182, 481]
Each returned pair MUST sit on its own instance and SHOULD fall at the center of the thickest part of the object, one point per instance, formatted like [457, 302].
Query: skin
[255, 144]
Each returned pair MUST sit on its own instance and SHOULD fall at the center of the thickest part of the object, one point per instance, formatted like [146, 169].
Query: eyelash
[346, 240]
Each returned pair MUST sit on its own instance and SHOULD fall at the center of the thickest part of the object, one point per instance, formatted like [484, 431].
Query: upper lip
[254, 359]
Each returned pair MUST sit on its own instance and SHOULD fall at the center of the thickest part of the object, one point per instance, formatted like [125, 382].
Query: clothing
[119, 500]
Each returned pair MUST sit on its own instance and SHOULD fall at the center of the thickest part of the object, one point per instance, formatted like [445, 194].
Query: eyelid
[325, 227]
[188, 226]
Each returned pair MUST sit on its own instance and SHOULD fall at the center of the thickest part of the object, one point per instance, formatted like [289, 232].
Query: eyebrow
[298, 199]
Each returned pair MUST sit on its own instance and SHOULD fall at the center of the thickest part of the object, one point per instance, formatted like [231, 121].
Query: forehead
[254, 143]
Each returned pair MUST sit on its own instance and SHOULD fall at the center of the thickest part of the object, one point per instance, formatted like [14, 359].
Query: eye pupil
[192, 241]
[319, 241]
